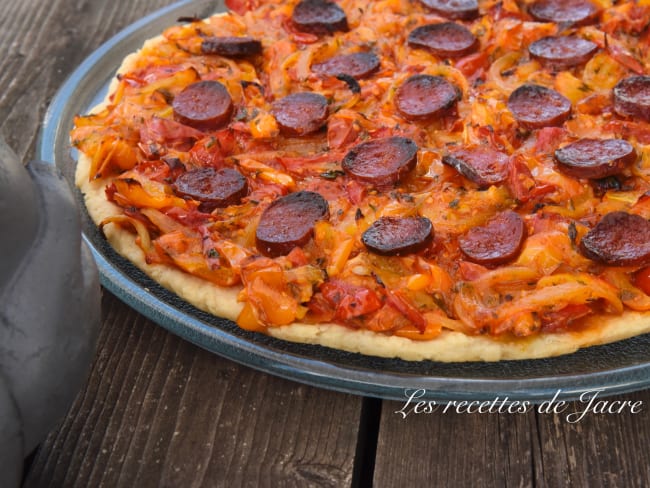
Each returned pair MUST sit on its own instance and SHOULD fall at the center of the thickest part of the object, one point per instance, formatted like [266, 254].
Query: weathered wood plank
[452, 449]
[158, 411]
[519, 450]
[41, 44]
[599, 450]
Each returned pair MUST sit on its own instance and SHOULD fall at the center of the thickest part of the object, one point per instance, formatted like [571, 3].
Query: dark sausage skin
[577, 12]
[397, 236]
[301, 113]
[562, 52]
[213, 188]
[446, 40]
[231, 47]
[482, 165]
[595, 158]
[358, 65]
[619, 239]
[289, 222]
[453, 9]
[423, 97]
[381, 162]
[204, 105]
[319, 17]
[535, 107]
[632, 97]
[497, 242]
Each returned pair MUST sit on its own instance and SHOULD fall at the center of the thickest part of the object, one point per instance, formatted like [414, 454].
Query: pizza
[432, 179]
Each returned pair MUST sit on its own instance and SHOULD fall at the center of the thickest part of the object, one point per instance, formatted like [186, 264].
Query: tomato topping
[642, 280]
[162, 156]
[349, 300]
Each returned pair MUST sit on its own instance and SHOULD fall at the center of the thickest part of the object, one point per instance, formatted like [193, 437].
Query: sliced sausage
[231, 47]
[482, 165]
[358, 65]
[578, 12]
[536, 106]
[595, 158]
[204, 105]
[381, 162]
[213, 188]
[453, 9]
[619, 239]
[397, 236]
[301, 113]
[319, 17]
[446, 40]
[423, 97]
[632, 97]
[289, 222]
[497, 242]
[562, 52]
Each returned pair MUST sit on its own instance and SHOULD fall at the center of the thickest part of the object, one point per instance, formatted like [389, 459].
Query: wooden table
[158, 411]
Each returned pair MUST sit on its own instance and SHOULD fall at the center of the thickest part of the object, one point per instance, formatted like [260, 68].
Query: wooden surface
[157, 411]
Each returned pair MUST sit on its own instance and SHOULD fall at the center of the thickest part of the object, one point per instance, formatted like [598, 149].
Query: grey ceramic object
[49, 307]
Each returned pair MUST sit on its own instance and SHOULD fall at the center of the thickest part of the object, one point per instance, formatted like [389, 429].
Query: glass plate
[617, 368]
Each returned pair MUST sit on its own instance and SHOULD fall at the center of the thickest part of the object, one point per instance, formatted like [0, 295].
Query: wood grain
[42, 43]
[516, 450]
[451, 449]
[158, 411]
[599, 450]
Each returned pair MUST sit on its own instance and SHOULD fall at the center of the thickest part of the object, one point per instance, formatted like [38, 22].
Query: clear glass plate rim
[310, 370]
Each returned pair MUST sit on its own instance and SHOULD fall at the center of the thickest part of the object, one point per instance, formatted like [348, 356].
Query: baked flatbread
[484, 235]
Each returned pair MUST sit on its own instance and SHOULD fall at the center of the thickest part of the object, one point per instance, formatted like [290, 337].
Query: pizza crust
[450, 346]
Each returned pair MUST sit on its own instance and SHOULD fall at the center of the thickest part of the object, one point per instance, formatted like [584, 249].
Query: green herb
[332, 174]
[573, 232]
[242, 114]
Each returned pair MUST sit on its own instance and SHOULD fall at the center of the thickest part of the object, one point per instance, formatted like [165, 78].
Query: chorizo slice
[562, 52]
[231, 47]
[446, 40]
[289, 222]
[358, 65]
[319, 17]
[619, 239]
[213, 188]
[497, 242]
[205, 105]
[632, 97]
[397, 236]
[301, 113]
[381, 162]
[423, 97]
[595, 158]
[481, 164]
[453, 9]
[536, 106]
[577, 12]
